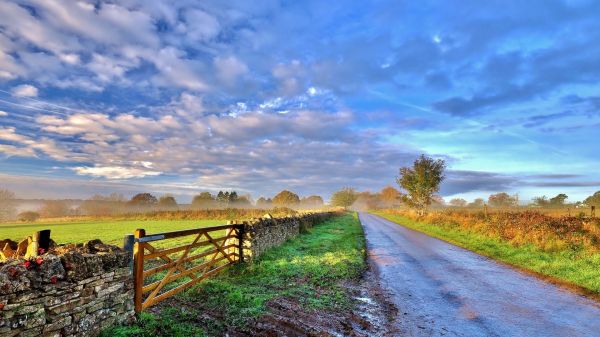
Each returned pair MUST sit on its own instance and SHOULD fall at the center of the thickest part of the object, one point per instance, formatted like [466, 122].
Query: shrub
[29, 216]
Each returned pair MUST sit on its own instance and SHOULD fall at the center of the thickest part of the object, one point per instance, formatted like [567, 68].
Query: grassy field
[109, 231]
[309, 270]
[578, 266]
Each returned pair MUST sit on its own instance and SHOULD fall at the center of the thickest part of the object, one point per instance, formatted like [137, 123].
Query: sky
[259, 96]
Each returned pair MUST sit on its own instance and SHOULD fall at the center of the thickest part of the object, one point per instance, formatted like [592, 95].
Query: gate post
[138, 269]
[241, 242]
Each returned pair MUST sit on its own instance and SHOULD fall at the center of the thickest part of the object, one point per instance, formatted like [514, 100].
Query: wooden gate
[160, 268]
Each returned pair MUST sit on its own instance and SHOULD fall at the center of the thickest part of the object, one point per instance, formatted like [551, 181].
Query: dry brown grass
[548, 231]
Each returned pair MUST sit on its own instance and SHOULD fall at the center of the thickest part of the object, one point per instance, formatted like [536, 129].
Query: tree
[541, 201]
[28, 216]
[233, 197]
[242, 201]
[477, 203]
[458, 202]
[421, 182]
[264, 202]
[223, 197]
[344, 197]
[366, 201]
[593, 200]
[143, 199]
[286, 198]
[203, 200]
[559, 200]
[167, 201]
[54, 209]
[103, 205]
[8, 207]
[313, 201]
[503, 199]
[390, 196]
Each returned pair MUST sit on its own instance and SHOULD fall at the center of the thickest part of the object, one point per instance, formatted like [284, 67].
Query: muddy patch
[372, 315]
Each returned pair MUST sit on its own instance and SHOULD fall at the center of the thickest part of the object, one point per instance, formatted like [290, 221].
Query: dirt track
[444, 290]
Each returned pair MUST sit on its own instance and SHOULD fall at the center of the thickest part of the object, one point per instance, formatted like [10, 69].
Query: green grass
[309, 270]
[109, 231]
[578, 268]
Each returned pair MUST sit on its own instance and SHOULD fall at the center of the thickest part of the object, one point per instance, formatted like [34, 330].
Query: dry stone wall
[261, 234]
[79, 290]
[72, 293]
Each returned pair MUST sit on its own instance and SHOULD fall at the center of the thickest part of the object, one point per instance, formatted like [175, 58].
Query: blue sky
[99, 97]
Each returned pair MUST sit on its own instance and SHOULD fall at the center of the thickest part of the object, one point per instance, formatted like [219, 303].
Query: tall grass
[546, 232]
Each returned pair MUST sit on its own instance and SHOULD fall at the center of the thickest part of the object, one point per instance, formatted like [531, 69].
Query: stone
[13, 278]
[57, 325]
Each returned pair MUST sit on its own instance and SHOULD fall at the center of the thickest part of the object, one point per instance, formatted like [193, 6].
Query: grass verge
[310, 269]
[579, 270]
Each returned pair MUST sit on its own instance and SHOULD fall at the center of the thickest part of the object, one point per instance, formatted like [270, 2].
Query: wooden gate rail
[147, 295]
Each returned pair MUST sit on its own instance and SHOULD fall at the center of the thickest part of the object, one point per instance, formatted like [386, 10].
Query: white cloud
[3, 113]
[200, 25]
[25, 90]
[229, 69]
[115, 172]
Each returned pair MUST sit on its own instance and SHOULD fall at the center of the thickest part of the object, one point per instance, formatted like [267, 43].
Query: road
[444, 290]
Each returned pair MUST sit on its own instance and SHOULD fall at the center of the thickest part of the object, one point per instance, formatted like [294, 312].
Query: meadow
[107, 230]
[564, 249]
[112, 229]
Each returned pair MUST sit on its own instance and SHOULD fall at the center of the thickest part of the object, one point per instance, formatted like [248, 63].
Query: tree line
[418, 184]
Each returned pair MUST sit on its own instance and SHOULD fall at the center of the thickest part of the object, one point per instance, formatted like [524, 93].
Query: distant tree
[313, 201]
[437, 201]
[263, 202]
[28, 216]
[143, 199]
[203, 200]
[593, 200]
[421, 182]
[233, 197]
[477, 203]
[286, 198]
[8, 207]
[54, 209]
[167, 201]
[344, 197]
[503, 199]
[223, 197]
[458, 202]
[559, 200]
[390, 196]
[367, 200]
[103, 205]
[242, 201]
[541, 201]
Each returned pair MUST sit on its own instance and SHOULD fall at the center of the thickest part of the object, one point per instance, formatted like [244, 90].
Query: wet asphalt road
[444, 290]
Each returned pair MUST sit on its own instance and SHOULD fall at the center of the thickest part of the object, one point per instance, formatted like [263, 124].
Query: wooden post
[485, 211]
[241, 242]
[593, 211]
[138, 269]
[43, 239]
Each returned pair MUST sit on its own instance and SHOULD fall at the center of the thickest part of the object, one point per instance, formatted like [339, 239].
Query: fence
[168, 266]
